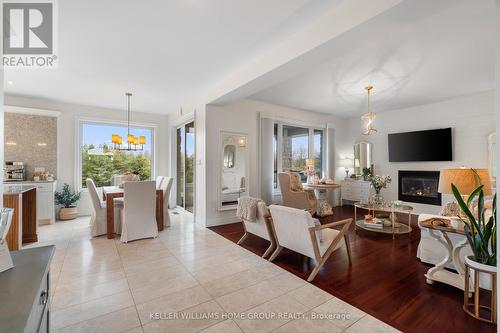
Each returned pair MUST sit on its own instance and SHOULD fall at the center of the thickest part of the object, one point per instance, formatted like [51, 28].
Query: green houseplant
[67, 199]
[480, 232]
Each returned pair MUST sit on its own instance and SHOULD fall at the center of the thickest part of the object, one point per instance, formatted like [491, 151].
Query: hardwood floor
[385, 279]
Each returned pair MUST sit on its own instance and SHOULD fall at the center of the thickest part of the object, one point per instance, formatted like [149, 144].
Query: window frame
[80, 121]
[311, 128]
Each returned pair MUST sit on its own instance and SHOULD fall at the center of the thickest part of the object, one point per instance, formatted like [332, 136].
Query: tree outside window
[101, 162]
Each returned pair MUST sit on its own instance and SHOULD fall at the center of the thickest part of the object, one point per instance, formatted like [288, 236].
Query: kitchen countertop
[19, 189]
[20, 286]
[22, 182]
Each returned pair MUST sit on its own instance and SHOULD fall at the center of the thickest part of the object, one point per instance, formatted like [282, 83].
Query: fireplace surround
[419, 187]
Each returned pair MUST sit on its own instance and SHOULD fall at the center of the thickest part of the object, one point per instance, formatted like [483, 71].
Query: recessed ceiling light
[10, 82]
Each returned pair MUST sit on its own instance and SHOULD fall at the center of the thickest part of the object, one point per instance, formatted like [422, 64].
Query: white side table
[439, 273]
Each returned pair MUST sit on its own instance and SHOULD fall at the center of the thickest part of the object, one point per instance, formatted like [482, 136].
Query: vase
[377, 198]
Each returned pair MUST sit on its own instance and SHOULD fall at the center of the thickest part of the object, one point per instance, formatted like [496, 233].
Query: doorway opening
[185, 166]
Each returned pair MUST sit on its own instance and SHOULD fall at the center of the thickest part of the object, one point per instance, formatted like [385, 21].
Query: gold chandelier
[368, 117]
[134, 143]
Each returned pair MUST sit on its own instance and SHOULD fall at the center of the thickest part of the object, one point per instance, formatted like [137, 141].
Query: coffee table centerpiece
[386, 221]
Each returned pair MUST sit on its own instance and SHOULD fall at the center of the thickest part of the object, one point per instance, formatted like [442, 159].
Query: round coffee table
[394, 228]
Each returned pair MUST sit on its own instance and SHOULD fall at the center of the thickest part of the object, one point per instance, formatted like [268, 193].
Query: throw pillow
[450, 209]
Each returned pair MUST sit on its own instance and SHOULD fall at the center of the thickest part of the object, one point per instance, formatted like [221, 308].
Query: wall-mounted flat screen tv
[429, 145]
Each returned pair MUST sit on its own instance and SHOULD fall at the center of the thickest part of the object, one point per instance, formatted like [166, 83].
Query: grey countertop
[19, 286]
[18, 189]
[21, 182]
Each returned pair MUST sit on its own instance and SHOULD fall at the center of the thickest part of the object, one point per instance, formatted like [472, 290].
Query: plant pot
[69, 213]
[485, 272]
[480, 292]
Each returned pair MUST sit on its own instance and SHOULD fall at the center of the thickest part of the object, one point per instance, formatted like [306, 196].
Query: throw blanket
[247, 208]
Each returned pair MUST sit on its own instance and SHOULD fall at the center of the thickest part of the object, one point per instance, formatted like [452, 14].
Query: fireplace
[419, 187]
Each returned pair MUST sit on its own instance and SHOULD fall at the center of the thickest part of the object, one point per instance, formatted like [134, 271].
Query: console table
[24, 292]
[439, 273]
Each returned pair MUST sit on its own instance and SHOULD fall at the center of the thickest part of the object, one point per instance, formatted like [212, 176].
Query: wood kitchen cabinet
[23, 200]
[45, 208]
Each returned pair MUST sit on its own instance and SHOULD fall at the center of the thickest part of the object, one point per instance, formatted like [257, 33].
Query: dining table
[109, 193]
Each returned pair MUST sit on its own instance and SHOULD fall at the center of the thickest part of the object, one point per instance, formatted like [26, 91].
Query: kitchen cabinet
[45, 208]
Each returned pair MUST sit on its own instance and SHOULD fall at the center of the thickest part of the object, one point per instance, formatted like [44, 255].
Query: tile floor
[153, 285]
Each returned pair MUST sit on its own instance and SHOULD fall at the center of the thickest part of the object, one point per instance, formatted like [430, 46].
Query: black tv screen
[430, 145]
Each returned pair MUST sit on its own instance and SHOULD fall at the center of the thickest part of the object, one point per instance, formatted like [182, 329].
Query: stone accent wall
[35, 139]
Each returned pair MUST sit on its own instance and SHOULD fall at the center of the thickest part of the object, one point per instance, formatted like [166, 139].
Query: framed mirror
[492, 142]
[234, 169]
[229, 156]
[362, 157]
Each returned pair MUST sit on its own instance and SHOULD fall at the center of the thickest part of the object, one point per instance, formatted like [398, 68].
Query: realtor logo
[28, 34]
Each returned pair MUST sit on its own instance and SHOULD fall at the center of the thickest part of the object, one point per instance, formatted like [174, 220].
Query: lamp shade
[346, 163]
[465, 180]
[310, 162]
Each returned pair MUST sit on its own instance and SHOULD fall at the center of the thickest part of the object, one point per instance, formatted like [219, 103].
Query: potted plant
[367, 172]
[67, 199]
[481, 234]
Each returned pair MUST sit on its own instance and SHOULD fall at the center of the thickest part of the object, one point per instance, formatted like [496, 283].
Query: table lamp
[346, 163]
[466, 180]
[310, 170]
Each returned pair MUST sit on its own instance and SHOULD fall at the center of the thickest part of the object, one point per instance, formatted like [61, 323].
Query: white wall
[471, 117]
[67, 136]
[243, 117]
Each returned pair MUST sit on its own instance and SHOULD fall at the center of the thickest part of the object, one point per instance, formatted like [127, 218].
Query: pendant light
[368, 117]
[134, 143]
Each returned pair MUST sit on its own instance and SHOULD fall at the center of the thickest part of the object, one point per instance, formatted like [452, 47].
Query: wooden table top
[428, 224]
[325, 186]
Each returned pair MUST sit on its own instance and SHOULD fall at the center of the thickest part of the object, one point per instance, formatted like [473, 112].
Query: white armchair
[296, 230]
[138, 213]
[126, 177]
[261, 227]
[98, 221]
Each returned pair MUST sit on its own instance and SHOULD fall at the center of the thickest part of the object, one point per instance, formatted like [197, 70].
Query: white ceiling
[416, 53]
[165, 52]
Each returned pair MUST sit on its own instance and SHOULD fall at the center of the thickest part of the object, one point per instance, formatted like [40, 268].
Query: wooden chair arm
[332, 224]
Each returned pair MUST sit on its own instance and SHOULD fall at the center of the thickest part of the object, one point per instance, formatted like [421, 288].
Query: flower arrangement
[380, 182]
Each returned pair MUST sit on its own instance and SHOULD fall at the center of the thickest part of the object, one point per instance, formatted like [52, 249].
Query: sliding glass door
[185, 166]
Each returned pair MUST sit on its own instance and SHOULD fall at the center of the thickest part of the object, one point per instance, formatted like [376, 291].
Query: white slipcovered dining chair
[166, 186]
[127, 177]
[98, 220]
[159, 180]
[261, 227]
[296, 230]
[138, 213]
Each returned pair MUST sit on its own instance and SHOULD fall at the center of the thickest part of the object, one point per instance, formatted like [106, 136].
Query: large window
[293, 145]
[101, 162]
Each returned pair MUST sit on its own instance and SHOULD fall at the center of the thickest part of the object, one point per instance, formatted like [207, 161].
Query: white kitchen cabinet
[355, 190]
[45, 208]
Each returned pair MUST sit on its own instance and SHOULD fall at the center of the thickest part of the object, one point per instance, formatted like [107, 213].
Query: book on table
[374, 223]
